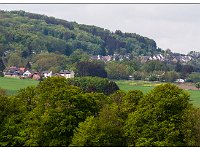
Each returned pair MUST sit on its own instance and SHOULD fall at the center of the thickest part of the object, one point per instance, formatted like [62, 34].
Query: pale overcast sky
[173, 26]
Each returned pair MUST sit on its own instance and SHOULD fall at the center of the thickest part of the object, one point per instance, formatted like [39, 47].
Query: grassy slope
[12, 85]
[147, 86]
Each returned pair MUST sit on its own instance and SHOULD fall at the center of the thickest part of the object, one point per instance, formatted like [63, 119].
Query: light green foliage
[138, 75]
[160, 119]
[194, 119]
[194, 77]
[151, 66]
[48, 61]
[26, 96]
[116, 70]
[78, 56]
[14, 59]
[133, 64]
[56, 114]
[106, 128]
[59, 109]
[170, 76]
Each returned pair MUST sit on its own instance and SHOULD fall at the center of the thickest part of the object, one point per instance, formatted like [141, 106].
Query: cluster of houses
[115, 57]
[169, 57]
[24, 73]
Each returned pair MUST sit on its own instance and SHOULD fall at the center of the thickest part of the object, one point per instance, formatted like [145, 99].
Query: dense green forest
[57, 113]
[25, 34]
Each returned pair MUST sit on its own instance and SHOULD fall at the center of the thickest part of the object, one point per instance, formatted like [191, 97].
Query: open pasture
[146, 86]
[12, 85]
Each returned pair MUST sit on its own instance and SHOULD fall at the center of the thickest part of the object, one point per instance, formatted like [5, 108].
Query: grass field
[145, 87]
[12, 85]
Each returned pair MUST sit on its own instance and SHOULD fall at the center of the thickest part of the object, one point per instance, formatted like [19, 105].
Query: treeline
[57, 113]
[151, 71]
[24, 35]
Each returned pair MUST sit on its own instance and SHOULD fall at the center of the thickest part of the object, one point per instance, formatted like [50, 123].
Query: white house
[180, 81]
[26, 73]
[67, 74]
[47, 74]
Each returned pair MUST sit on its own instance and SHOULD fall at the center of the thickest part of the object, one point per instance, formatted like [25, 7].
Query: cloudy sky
[173, 26]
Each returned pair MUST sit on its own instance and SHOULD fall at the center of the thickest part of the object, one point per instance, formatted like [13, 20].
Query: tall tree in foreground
[59, 108]
[106, 129]
[161, 119]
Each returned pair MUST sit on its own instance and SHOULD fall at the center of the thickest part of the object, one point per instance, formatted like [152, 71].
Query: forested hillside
[25, 34]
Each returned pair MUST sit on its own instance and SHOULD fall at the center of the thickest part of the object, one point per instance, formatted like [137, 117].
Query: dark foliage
[94, 84]
[87, 68]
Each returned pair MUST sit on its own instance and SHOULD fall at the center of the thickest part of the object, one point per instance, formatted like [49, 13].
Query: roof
[27, 71]
[22, 69]
[43, 72]
[35, 73]
[65, 72]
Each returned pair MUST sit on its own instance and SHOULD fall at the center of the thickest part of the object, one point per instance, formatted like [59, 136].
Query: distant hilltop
[47, 42]
[31, 33]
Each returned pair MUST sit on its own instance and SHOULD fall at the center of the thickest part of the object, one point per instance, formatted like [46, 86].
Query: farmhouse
[27, 73]
[46, 74]
[66, 73]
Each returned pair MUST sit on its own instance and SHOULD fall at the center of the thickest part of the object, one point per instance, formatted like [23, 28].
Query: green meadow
[146, 86]
[12, 85]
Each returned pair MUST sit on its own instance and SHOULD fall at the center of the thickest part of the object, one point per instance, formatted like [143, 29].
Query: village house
[13, 72]
[12, 75]
[180, 81]
[66, 73]
[26, 74]
[23, 73]
[46, 74]
[106, 58]
[35, 76]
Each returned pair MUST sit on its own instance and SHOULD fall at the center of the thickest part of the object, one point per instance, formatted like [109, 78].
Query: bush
[170, 76]
[137, 75]
[2, 91]
[153, 78]
[194, 77]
